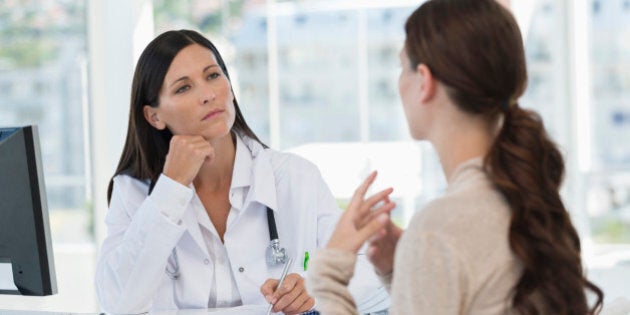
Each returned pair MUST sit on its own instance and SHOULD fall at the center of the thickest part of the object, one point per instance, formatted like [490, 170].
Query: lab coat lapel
[191, 222]
[248, 248]
[263, 188]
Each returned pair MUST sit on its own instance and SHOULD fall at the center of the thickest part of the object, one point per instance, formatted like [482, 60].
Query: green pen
[305, 260]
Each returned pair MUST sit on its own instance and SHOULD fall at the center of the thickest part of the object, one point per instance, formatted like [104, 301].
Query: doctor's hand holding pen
[291, 297]
[364, 219]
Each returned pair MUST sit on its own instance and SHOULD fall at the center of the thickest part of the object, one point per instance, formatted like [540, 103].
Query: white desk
[242, 310]
[245, 310]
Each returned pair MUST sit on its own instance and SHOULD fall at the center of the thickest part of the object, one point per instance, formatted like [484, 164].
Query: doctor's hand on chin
[185, 157]
[291, 297]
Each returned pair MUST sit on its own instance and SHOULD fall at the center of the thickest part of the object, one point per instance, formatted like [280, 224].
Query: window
[43, 82]
[42, 67]
[608, 189]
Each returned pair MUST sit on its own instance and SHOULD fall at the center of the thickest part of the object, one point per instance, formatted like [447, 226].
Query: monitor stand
[6, 279]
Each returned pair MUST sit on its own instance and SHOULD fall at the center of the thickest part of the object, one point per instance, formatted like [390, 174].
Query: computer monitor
[24, 232]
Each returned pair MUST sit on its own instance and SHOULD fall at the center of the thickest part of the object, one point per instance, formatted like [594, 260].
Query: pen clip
[306, 258]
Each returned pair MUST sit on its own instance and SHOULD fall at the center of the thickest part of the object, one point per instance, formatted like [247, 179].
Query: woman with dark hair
[196, 197]
[500, 241]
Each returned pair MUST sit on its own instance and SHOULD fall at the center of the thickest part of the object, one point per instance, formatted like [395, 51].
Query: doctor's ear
[427, 83]
[153, 118]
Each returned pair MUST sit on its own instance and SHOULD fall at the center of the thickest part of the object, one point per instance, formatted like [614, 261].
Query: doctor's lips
[212, 114]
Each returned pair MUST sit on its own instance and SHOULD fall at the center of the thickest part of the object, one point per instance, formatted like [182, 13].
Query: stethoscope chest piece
[275, 255]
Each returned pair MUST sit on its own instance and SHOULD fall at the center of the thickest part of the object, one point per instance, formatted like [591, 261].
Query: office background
[318, 78]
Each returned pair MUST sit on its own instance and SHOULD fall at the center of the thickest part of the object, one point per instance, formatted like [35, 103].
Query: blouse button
[206, 261]
[241, 269]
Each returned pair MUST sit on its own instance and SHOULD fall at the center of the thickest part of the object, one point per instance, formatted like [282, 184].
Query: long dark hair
[146, 147]
[474, 47]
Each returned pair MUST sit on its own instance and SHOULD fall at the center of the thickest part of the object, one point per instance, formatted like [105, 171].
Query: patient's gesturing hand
[362, 219]
[381, 249]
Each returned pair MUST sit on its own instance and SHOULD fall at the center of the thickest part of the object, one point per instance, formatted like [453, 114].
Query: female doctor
[197, 198]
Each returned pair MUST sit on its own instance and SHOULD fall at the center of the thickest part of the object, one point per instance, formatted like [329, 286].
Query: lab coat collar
[242, 173]
[262, 180]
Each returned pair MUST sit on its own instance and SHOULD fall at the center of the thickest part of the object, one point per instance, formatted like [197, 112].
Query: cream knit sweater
[454, 257]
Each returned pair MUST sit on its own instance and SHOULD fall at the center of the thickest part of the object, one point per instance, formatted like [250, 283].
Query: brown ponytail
[474, 48]
[526, 166]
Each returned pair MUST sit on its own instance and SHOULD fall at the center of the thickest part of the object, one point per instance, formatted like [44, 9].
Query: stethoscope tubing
[271, 221]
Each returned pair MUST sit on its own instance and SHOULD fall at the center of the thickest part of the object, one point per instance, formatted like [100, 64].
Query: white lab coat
[131, 273]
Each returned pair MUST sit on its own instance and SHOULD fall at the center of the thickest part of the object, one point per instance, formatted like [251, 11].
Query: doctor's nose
[207, 95]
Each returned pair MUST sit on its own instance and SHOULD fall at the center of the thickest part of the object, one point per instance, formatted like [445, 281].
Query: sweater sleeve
[328, 278]
[429, 276]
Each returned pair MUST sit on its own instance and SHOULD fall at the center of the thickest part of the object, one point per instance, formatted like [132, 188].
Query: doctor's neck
[216, 174]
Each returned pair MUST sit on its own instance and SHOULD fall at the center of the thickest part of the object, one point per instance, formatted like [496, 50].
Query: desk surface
[243, 310]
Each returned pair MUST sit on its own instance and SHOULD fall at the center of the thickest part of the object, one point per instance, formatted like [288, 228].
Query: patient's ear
[151, 114]
[427, 83]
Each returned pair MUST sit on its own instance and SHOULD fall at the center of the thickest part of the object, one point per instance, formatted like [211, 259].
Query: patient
[500, 241]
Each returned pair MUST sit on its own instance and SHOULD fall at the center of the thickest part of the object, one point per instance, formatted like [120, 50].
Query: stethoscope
[274, 255]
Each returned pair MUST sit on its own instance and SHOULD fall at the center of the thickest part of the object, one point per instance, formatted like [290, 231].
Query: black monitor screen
[24, 232]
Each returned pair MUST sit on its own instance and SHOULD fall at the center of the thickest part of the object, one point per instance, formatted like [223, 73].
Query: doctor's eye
[214, 75]
[182, 89]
